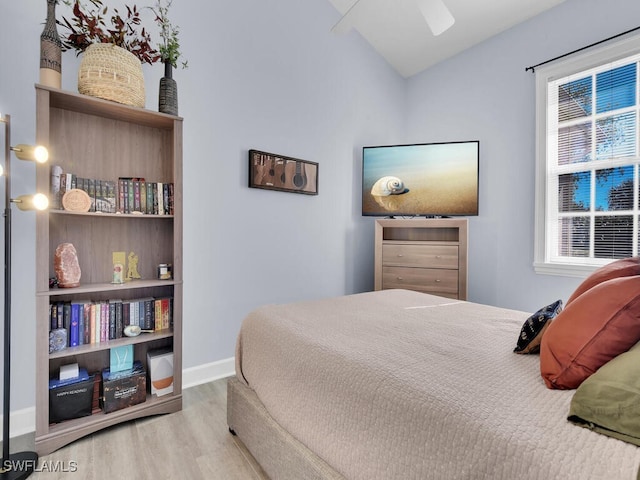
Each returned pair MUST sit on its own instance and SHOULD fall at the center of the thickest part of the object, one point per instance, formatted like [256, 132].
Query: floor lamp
[22, 464]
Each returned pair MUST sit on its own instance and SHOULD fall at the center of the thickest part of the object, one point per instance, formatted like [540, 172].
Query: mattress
[399, 384]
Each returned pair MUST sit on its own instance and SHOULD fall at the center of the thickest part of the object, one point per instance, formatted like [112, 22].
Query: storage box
[70, 399]
[123, 389]
[160, 365]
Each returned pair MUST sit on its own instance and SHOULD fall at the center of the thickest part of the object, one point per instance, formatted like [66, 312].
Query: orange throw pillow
[597, 326]
[624, 267]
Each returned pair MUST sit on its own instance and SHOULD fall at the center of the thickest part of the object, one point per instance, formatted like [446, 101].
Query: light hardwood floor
[191, 444]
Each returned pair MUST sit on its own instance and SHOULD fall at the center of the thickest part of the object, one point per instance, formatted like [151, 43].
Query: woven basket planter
[113, 73]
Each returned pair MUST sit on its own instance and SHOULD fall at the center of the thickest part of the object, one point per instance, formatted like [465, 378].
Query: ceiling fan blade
[437, 15]
[346, 22]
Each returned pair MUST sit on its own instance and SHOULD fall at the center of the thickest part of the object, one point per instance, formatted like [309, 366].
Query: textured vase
[168, 93]
[50, 50]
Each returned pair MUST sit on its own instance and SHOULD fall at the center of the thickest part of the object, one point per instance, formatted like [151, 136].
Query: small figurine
[132, 267]
[119, 259]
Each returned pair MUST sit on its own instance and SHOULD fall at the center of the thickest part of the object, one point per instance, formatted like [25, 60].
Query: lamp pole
[22, 464]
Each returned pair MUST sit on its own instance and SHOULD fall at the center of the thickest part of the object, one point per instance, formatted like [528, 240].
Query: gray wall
[485, 94]
[265, 75]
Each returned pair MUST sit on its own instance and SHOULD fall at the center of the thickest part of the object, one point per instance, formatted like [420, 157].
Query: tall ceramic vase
[50, 50]
[168, 93]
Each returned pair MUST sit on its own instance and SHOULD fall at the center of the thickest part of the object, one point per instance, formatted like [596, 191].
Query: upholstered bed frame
[280, 455]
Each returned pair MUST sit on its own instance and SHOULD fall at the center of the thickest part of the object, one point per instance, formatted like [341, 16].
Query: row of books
[126, 195]
[87, 321]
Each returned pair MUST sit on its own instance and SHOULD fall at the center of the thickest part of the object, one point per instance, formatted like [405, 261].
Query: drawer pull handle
[437, 280]
[400, 278]
[438, 256]
[400, 255]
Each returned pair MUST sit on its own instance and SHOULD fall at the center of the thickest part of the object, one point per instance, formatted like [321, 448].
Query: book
[53, 316]
[149, 314]
[104, 321]
[160, 195]
[149, 190]
[109, 192]
[74, 325]
[136, 195]
[87, 322]
[92, 315]
[91, 191]
[121, 202]
[112, 319]
[143, 197]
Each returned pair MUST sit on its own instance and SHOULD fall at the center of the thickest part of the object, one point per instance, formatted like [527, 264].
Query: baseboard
[208, 372]
[24, 421]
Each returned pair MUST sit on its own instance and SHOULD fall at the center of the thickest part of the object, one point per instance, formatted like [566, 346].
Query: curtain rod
[533, 67]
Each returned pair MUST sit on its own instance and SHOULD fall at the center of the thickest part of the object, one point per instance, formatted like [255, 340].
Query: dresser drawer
[431, 256]
[430, 280]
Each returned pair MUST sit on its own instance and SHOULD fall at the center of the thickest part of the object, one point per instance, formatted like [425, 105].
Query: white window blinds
[588, 188]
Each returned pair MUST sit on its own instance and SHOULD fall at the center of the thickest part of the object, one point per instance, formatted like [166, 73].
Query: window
[587, 176]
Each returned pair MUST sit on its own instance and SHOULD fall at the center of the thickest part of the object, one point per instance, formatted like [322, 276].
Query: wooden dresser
[427, 255]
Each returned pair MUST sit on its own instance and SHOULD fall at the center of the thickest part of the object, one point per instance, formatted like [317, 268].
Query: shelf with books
[81, 133]
[98, 347]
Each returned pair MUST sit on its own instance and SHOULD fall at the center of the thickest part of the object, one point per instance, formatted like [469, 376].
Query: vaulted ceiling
[397, 29]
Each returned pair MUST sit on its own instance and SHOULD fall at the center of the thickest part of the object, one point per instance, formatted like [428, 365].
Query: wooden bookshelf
[95, 138]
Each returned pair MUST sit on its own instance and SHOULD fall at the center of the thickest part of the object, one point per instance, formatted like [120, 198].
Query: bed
[397, 384]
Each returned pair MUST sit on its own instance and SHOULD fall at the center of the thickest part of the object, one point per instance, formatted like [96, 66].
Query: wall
[486, 94]
[262, 74]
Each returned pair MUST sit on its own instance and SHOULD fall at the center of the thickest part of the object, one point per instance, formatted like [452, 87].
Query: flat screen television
[427, 179]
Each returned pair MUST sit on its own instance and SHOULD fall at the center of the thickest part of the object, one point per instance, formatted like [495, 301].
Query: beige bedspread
[402, 385]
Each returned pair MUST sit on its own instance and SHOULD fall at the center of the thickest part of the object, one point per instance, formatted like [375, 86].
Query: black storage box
[123, 389]
[70, 401]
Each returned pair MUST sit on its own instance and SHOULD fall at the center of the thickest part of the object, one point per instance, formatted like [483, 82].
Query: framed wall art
[278, 172]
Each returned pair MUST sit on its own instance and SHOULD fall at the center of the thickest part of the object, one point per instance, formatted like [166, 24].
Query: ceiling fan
[435, 12]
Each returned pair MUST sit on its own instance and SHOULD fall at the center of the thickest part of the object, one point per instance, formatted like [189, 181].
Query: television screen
[430, 179]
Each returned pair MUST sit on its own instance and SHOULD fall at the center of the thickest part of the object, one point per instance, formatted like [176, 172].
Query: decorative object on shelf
[120, 358]
[21, 464]
[56, 201]
[168, 92]
[132, 267]
[132, 331]
[66, 266]
[119, 259]
[169, 49]
[160, 366]
[277, 172]
[76, 200]
[51, 50]
[164, 271]
[57, 340]
[112, 73]
[111, 67]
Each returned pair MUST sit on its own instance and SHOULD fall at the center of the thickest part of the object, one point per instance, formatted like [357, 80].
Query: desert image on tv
[434, 179]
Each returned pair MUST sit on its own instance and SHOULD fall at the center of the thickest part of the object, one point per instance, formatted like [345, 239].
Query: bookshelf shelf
[116, 215]
[99, 139]
[98, 347]
[111, 288]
